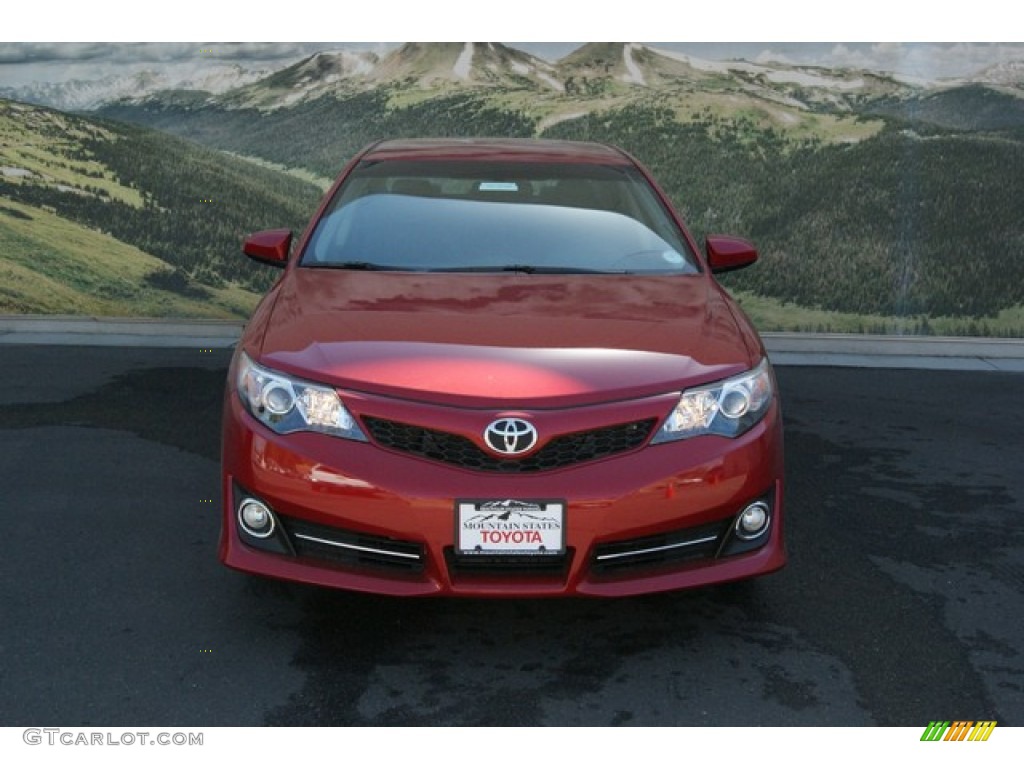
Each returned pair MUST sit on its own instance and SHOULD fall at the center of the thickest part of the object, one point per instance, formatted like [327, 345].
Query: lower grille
[663, 550]
[358, 550]
[507, 565]
[459, 451]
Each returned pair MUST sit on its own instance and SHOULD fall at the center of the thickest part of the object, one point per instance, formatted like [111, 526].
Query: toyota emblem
[510, 436]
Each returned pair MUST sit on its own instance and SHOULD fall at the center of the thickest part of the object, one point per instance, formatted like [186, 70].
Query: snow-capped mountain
[425, 66]
[625, 63]
[593, 70]
[607, 67]
[312, 77]
[82, 95]
[434, 64]
[1009, 74]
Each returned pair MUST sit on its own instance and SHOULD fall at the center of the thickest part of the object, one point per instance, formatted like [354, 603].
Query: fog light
[256, 518]
[753, 521]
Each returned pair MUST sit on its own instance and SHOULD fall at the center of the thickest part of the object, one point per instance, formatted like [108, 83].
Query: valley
[877, 202]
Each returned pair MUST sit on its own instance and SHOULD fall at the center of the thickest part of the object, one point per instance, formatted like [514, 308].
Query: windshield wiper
[525, 269]
[529, 269]
[365, 266]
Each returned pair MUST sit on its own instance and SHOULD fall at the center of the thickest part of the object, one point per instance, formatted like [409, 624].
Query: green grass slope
[49, 265]
[66, 180]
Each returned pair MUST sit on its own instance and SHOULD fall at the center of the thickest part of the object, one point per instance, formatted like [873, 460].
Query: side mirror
[726, 253]
[271, 246]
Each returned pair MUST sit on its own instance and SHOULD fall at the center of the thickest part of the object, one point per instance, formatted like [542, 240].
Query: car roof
[507, 150]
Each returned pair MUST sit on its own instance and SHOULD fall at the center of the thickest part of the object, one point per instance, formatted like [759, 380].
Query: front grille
[506, 565]
[652, 552]
[357, 550]
[459, 451]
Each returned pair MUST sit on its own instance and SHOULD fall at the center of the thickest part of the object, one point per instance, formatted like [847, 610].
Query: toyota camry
[500, 368]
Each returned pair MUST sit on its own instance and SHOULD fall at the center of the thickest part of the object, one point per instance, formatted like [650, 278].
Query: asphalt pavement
[856, 350]
[902, 602]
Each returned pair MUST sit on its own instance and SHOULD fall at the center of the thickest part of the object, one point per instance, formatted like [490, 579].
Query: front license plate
[510, 527]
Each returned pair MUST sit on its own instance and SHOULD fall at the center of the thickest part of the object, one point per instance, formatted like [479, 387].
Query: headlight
[288, 405]
[727, 408]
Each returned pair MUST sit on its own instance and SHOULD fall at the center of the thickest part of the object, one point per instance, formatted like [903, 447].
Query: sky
[745, 28]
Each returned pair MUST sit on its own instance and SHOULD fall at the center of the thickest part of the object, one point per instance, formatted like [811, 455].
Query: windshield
[484, 216]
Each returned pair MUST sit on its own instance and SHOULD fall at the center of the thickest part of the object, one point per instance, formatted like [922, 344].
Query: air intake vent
[652, 552]
[560, 451]
[357, 550]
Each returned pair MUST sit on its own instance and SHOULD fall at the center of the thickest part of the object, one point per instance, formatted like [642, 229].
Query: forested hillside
[184, 204]
[904, 223]
[321, 135]
[970, 108]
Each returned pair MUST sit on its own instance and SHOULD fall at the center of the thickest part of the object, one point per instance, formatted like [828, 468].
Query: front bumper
[361, 517]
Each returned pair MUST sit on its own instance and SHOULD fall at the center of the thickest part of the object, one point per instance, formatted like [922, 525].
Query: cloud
[934, 60]
[23, 64]
[926, 60]
[153, 53]
[34, 53]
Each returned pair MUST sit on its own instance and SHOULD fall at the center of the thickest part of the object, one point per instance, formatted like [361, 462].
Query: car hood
[503, 340]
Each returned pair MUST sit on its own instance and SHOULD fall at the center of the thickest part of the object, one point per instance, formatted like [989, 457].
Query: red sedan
[500, 368]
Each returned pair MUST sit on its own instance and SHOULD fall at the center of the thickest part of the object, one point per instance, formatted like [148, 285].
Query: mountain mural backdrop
[879, 203]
